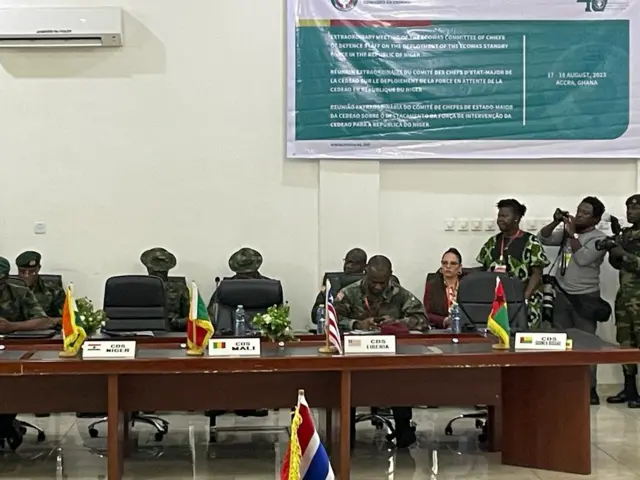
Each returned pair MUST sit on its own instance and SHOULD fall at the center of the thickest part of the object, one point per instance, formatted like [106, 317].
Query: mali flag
[199, 327]
[498, 321]
[72, 333]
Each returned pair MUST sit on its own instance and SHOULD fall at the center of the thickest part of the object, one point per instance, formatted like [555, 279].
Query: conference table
[529, 394]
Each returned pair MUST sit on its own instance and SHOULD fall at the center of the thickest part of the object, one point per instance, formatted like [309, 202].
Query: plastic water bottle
[241, 326]
[454, 315]
[320, 320]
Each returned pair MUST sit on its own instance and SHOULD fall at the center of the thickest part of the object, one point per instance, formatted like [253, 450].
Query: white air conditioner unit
[34, 27]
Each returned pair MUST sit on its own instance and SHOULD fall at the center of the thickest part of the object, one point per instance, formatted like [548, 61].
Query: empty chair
[475, 299]
[136, 303]
[255, 295]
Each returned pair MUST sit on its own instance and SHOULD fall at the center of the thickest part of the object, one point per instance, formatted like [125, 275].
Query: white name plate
[541, 341]
[109, 349]
[234, 347]
[369, 344]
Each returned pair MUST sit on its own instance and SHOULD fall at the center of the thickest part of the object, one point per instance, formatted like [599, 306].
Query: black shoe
[13, 436]
[405, 437]
[633, 404]
[628, 394]
[595, 399]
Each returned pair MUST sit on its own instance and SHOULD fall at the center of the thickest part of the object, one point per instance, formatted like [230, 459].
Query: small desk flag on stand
[72, 333]
[333, 342]
[306, 458]
[199, 327]
[498, 321]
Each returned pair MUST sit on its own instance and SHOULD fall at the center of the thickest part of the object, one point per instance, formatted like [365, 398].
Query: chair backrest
[475, 298]
[339, 280]
[16, 280]
[135, 302]
[181, 280]
[52, 278]
[255, 295]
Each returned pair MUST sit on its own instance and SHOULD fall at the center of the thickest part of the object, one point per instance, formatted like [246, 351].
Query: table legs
[546, 418]
[115, 430]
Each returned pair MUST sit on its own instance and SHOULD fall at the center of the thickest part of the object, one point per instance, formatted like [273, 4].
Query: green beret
[5, 267]
[28, 259]
[245, 260]
[158, 259]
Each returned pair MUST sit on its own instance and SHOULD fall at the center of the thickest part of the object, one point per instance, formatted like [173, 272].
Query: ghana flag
[72, 333]
[199, 327]
[498, 321]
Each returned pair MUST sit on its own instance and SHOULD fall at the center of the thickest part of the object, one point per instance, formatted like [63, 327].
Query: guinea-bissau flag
[199, 327]
[498, 321]
[72, 332]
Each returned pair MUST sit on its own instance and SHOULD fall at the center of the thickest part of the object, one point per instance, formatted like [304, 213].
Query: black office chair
[475, 299]
[181, 280]
[255, 296]
[135, 303]
[52, 278]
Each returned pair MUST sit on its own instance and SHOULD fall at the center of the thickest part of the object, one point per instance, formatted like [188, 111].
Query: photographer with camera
[576, 282]
[624, 255]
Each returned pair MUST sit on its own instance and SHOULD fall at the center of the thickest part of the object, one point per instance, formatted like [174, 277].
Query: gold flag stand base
[64, 354]
[328, 349]
[500, 346]
[195, 353]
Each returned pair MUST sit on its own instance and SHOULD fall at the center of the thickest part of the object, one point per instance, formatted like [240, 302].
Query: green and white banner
[402, 79]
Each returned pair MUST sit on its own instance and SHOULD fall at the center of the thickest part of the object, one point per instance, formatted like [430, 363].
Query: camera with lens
[606, 243]
[548, 296]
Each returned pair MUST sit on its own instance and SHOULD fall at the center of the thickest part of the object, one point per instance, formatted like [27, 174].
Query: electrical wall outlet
[476, 225]
[449, 225]
[489, 224]
[463, 225]
[40, 228]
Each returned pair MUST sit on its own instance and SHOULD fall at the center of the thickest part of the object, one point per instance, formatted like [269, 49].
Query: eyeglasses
[444, 263]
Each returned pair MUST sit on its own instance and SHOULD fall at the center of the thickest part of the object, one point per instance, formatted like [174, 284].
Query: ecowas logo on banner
[344, 5]
[600, 5]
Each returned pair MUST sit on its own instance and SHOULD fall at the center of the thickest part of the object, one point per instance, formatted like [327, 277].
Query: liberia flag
[306, 458]
[331, 323]
[199, 327]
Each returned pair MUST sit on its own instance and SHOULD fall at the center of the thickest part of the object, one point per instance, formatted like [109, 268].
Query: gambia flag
[72, 331]
[498, 321]
[199, 327]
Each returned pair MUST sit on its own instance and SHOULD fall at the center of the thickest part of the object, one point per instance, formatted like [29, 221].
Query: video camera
[607, 243]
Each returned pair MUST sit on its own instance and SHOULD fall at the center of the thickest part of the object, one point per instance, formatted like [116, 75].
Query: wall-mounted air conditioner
[35, 27]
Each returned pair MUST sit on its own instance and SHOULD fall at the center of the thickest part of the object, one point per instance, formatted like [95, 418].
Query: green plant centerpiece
[90, 318]
[275, 324]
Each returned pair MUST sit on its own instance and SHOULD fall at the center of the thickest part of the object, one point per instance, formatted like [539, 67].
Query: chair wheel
[479, 423]
[42, 436]
[391, 437]
[448, 431]
[93, 432]
[158, 436]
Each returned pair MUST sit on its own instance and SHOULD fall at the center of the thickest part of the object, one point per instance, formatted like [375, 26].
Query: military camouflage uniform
[627, 305]
[50, 296]
[352, 304]
[158, 262]
[245, 263]
[18, 304]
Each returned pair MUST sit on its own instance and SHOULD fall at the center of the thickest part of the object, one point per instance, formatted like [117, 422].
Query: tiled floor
[70, 453]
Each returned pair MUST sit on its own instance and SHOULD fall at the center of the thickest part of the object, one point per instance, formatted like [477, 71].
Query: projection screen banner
[402, 79]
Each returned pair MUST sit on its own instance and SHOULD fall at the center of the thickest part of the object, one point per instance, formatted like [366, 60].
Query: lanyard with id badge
[502, 267]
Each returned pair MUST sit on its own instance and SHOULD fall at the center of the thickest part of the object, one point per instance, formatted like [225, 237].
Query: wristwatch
[575, 235]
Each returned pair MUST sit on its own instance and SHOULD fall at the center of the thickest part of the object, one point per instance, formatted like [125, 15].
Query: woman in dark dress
[518, 253]
[441, 289]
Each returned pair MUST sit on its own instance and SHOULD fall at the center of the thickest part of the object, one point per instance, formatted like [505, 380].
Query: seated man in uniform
[245, 264]
[375, 302]
[355, 262]
[158, 262]
[19, 311]
[50, 295]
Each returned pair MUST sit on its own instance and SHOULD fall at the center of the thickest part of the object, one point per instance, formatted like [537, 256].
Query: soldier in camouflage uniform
[158, 262]
[376, 301]
[50, 295]
[624, 255]
[19, 311]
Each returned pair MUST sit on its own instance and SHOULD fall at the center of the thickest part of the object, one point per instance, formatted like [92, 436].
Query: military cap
[5, 267]
[28, 259]
[158, 259]
[633, 199]
[245, 260]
